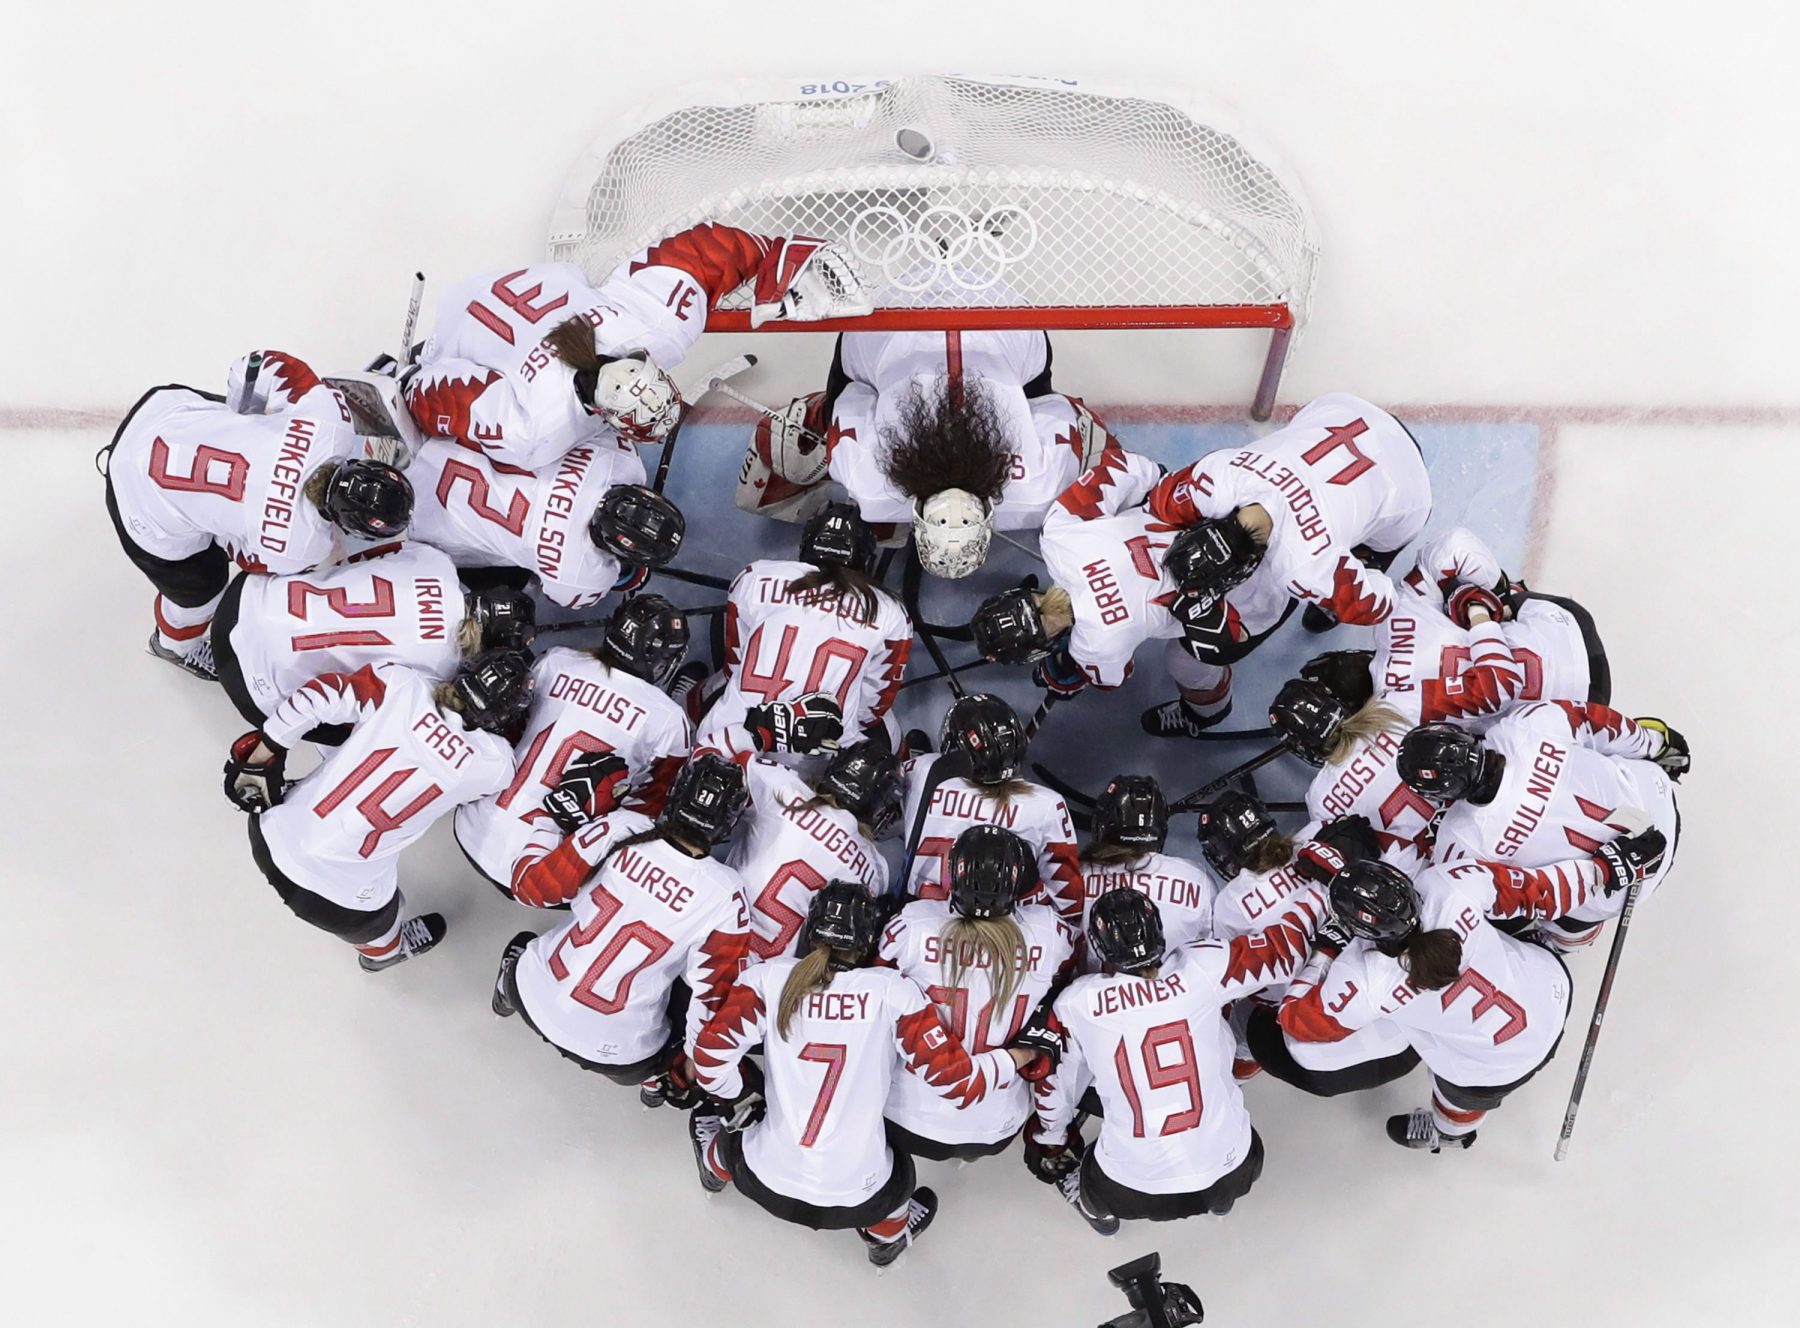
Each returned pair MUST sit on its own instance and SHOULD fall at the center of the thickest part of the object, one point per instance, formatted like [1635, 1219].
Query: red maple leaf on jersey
[1350, 601]
[719, 258]
[1083, 497]
[933, 1053]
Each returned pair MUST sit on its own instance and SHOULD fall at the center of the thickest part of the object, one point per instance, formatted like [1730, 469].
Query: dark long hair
[572, 341]
[1433, 958]
[855, 594]
[947, 440]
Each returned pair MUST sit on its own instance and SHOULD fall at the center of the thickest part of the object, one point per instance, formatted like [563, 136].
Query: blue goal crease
[1483, 476]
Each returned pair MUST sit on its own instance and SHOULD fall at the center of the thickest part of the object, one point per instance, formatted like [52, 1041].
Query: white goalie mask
[952, 530]
[639, 400]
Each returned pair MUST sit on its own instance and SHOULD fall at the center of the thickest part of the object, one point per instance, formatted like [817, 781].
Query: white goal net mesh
[958, 193]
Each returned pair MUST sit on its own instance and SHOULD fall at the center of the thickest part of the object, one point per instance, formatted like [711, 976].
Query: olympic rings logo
[942, 244]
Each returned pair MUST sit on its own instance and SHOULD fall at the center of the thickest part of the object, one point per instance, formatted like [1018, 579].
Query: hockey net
[970, 203]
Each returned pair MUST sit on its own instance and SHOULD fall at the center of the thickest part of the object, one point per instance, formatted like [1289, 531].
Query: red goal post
[969, 203]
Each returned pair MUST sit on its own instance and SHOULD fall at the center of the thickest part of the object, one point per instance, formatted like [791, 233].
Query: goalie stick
[1593, 1033]
[715, 382]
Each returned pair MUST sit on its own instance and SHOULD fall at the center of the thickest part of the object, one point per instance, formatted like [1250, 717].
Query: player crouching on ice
[808, 1143]
[955, 434]
[1120, 575]
[273, 475]
[1484, 1011]
[330, 842]
[527, 364]
[1314, 512]
[1547, 790]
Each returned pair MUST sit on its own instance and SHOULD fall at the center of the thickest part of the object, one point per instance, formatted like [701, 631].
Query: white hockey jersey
[339, 831]
[1495, 1024]
[403, 606]
[1106, 550]
[1038, 816]
[1184, 893]
[489, 380]
[786, 848]
[885, 366]
[914, 944]
[1367, 783]
[489, 514]
[187, 471]
[780, 646]
[1428, 668]
[1158, 1054]
[828, 1077]
[598, 985]
[578, 705]
[1343, 472]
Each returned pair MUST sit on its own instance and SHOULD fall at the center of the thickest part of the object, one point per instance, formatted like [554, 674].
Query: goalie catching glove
[255, 784]
[590, 787]
[807, 724]
[804, 280]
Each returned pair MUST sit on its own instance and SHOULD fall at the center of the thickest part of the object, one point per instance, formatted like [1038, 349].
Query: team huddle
[837, 946]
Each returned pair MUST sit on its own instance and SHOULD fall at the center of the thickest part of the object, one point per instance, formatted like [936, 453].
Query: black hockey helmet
[836, 535]
[368, 498]
[507, 617]
[985, 729]
[494, 688]
[1441, 762]
[706, 799]
[1133, 812]
[1374, 900]
[864, 779]
[647, 637]
[990, 867]
[1126, 930]
[1009, 627]
[844, 916]
[1210, 558]
[1232, 826]
[1345, 674]
[637, 525]
[1307, 716]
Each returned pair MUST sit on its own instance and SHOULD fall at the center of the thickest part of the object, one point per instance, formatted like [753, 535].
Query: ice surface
[1556, 241]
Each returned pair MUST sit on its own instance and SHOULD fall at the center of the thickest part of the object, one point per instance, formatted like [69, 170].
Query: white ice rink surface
[209, 1116]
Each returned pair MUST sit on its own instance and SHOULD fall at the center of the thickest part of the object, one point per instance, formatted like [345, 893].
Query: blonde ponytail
[1371, 721]
[994, 944]
[813, 973]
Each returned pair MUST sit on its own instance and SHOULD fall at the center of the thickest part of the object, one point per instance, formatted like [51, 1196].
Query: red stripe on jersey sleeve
[719, 258]
[723, 956]
[441, 403]
[1085, 498]
[932, 1052]
[1304, 1019]
[553, 879]
[1353, 602]
[721, 1042]
[293, 376]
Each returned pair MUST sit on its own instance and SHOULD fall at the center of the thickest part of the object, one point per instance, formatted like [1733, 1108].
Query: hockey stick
[412, 318]
[252, 370]
[1070, 794]
[583, 624]
[693, 578]
[1191, 802]
[715, 382]
[1042, 713]
[910, 582]
[909, 579]
[737, 396]
[1593, 1033]
[944, 769]
[944, 673]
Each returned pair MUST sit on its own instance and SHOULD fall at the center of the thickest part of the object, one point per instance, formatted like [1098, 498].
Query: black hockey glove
[1059, 675]
[590, 787]
[1332, 937]
[1318, 861]
[1351, 836]
[255, 786]
[1051, 1162]
[1044, 1036]
[1673, 758]
[811, 723]
[748, 1107]
[1630, 858]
